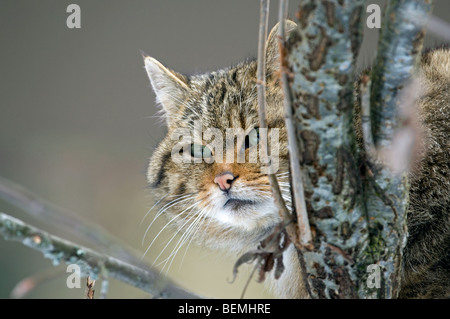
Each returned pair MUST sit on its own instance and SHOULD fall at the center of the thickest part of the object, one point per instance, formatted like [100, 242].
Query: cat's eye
[200, 151]
[252, 138]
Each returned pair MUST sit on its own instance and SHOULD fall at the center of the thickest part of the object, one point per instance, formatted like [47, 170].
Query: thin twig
[261, 67]
[91, 262]
[294, 152]
[261, 87]
[297, 191]
[250, 277]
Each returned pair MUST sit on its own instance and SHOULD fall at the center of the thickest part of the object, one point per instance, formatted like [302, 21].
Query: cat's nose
[224, 180]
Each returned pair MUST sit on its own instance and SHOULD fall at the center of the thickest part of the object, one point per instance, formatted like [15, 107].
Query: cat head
[207, 172]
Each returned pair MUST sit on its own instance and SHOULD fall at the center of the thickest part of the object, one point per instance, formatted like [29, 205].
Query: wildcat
[229, 204]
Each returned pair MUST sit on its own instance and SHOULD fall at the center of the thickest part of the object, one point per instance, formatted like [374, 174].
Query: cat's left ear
[272, 50]
[170, 87]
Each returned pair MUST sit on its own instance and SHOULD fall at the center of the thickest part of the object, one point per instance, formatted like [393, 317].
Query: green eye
[200, 151]
[196, 150]
[207, 152]
[252, 138]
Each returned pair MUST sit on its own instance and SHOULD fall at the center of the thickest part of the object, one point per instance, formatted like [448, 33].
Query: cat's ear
[170, 87]
[272, 50]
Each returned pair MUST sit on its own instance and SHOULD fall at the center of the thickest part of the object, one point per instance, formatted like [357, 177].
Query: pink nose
[224, 180]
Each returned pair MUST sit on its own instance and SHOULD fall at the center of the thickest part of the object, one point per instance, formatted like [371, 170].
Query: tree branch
[261, 91]
[65, 220]
[399, 46]
[321, 55]
[294, 152]
[91, 262]
[386, 195]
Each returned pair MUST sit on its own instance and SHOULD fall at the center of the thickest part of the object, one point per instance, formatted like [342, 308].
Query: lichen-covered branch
[64, 220]
[386, 194]
[321, 56]
[356, 206]
[70, 223]
[92, 263]
[399, 47]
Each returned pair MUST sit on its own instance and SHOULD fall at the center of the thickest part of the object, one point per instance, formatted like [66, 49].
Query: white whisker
[143, 218]
[191, 214]
[193, 235]
[188, 233]
[168, 205]
[176, 216]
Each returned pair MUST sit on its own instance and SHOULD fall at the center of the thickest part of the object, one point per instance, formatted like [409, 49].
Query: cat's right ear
[170, 87]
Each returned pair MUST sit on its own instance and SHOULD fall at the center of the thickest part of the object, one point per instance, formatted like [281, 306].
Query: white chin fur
[248, 217]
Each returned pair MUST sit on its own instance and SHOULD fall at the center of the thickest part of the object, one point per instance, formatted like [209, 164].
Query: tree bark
[356, 208]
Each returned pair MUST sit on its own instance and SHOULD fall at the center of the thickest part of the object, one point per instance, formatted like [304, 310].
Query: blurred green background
[77, 120]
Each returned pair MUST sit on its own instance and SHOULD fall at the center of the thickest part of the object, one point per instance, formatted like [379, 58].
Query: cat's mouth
[235, 203]
[244, 210]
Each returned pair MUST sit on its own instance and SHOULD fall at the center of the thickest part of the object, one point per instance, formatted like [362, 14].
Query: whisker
[175, 217]
[188, 233]
[174, 235]
[264, 194]
[168, 205]
[282, 174]
[166, 260]
[284, 184]
[193, 235]
[143, 218]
